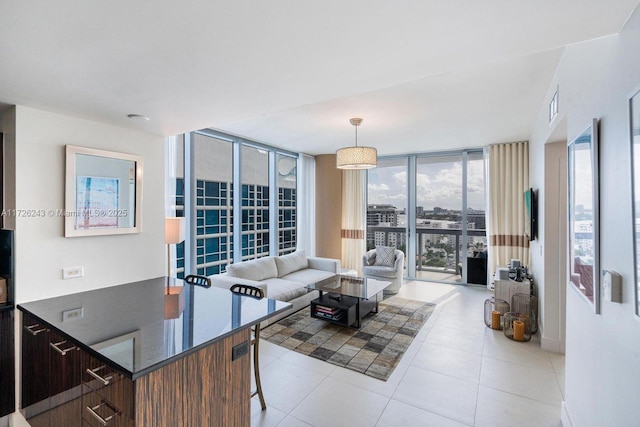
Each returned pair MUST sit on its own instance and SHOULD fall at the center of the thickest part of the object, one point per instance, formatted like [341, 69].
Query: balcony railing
[423, 232]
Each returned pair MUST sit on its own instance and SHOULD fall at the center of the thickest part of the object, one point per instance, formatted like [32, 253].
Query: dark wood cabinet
[64, 364]
[51, 382]
[7, 313]
[7, 363]
[35, 366]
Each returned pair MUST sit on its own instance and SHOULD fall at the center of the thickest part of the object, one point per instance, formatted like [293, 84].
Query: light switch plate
[72, 272]
[612, 286]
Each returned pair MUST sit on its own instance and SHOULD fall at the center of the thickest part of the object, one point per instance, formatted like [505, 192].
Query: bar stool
[253, 292]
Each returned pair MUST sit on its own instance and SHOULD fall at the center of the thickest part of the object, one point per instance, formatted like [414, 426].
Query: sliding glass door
[432, 207]
[439, 225]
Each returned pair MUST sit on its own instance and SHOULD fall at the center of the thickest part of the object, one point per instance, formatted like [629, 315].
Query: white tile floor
[457, 372]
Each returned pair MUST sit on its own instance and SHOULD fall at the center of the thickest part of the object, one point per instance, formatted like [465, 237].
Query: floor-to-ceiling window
[212, 174]
[255, 202]
[211, 165]
[287, 180]
[431, 206]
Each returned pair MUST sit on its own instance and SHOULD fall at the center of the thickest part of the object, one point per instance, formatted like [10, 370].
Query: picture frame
[103, 192]
[584, 215]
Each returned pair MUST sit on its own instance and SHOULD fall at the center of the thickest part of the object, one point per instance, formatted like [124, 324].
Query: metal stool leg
[256, 367]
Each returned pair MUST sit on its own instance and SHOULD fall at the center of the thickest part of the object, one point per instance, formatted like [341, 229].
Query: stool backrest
[194, 279]
[247, 290]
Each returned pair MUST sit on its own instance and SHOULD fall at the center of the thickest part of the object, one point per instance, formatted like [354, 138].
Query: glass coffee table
[345, 300]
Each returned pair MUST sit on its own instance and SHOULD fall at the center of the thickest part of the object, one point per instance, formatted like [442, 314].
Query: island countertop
[130, 327]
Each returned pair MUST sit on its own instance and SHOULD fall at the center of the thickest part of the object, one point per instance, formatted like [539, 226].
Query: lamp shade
[356, 158]
[174, 302]
[174, 230]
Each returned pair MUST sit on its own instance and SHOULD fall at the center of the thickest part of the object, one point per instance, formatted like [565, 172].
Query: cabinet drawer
[108, 383]
[98, 375]
[99, 412]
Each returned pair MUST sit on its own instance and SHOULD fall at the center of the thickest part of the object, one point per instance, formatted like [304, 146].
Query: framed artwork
[96, 197]
[583, 209]
[103, 192]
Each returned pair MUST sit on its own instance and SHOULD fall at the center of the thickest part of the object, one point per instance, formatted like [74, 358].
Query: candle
[518, 330]
[495, 319]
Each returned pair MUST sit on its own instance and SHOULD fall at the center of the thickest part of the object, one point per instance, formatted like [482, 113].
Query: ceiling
[424, 74]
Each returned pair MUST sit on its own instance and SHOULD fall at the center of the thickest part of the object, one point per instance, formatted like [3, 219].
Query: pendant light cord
[356, 136]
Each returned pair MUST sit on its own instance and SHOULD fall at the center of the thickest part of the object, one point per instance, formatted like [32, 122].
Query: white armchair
[388, 270]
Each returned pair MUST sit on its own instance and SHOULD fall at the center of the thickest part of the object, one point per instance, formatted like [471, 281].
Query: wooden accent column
[328, 207]
[205, 388]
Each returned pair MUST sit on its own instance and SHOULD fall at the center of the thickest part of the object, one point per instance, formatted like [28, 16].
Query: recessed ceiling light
[138, 117]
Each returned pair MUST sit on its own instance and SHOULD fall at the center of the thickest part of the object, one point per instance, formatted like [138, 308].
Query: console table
[117, 357]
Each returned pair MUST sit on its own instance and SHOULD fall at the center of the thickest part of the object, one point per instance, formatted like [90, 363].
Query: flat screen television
[531, 214]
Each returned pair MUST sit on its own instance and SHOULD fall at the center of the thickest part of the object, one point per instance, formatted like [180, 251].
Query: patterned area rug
[375, 349]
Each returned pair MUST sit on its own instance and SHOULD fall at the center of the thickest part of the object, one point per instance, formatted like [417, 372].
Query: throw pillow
[255, 269]
[289, 263]
[385, 256]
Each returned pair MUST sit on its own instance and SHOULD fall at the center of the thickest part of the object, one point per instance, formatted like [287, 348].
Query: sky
[438, 183]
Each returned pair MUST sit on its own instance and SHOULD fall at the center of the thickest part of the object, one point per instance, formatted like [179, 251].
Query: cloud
[437, 184]
[378, 187]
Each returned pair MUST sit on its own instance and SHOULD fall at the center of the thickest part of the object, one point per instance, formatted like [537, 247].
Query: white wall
[595, 79]
[8, 128]
[41, 248]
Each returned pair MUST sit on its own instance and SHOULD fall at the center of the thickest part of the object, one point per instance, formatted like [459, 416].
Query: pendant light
[356, 157]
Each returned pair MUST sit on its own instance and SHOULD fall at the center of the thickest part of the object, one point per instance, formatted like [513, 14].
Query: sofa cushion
[379, 271]
[284, 290]
[308, 276]
[291, 262]
[385, 255]
[255, 269]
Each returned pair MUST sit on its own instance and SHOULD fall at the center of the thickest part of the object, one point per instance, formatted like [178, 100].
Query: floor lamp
[174, 233]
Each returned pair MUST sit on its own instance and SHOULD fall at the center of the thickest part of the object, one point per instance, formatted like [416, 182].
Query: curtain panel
[353, 217]
[306, 199]
[508, 180]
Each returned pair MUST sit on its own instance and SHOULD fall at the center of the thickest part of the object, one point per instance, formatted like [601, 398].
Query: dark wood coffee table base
[342, 309]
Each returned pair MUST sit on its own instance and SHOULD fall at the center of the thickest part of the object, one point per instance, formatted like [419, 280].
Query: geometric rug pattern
[375, 349]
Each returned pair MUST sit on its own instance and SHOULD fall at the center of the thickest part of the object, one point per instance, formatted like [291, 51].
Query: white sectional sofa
[283, 277]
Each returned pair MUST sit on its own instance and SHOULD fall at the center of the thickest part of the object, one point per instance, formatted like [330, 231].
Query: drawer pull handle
[32, 329]
[59, 350]
[104, 380]
[103, 421]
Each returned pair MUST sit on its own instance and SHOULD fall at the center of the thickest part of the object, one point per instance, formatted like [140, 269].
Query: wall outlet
[72, 272]
[73, 314]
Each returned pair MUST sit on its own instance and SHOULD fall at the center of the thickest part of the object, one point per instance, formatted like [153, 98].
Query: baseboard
[551, 344]
[565, 418]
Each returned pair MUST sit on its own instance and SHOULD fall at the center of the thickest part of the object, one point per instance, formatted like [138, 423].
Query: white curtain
[172, 159]
[508, 180]
[353, 217]
[306, 199]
